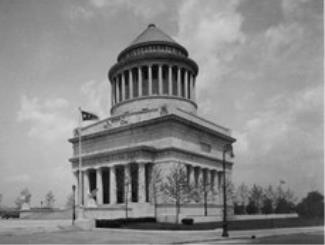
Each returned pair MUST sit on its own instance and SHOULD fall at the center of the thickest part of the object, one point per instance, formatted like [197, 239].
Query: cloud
[146, 9]
[210, 30]
[46, 117]
[76, 12]
[96, 97]
[20, 178]
[263, 81]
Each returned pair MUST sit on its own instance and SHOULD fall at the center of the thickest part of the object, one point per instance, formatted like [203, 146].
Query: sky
[261, 75]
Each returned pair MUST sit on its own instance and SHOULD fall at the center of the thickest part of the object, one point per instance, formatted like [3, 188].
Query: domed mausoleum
[153, 127]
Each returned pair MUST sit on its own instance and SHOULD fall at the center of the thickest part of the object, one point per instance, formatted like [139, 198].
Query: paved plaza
[61, 231]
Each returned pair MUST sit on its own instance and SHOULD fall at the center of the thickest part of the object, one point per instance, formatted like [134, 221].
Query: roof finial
[151, 25]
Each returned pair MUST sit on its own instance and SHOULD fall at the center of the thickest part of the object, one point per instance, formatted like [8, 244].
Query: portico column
[160, 80]
[192, 176]
[117, 92]
[200, 176]
[170, 86]
[112, 185]
[150, 79]
[141, 183]
[139, 81]
[179, 92]
[86, 186]
[127, 181]
[99, 186]
[186, 84]
[123, 86]
[130, 84]
[212, 179]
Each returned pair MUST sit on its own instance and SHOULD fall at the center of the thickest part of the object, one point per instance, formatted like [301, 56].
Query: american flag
[88, 116]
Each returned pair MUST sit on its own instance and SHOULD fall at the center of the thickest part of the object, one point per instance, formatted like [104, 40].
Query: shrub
[187, 221]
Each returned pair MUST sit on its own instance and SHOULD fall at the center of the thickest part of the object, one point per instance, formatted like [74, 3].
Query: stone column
[160, 80]
[186, 84]
[150, 79]
[99, 186]
[127, 182]
[170, 85]
[130, 84]
[193, 88]
[139, 81]
[179, 92]
[86, 186]
[200, 176]
[117, 91]
[141, 183]
[123, 86]
[192, 176]
[112, 93]
[212, 179]
[112, 185]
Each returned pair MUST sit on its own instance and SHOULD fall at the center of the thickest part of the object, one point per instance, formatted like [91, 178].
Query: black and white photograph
[161, 121]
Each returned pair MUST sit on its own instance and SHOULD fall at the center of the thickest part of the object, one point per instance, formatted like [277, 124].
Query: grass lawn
[233, 225]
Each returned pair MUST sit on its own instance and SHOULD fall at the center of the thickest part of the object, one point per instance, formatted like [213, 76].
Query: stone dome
[153, 71]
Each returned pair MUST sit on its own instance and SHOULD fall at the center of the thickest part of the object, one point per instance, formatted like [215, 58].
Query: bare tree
[242, 193]
[156, 181]
[256, 196]
[24, 197]
[69, 203]
[176, 187]
[49, 199]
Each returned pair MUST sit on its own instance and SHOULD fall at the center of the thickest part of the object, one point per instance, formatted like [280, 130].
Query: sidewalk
[245, 235]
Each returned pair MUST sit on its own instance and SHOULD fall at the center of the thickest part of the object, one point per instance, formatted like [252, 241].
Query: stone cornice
[132, 153]
[154, 121]
[144, 44]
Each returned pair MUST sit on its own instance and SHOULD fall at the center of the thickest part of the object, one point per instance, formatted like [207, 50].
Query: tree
[251, 207]
[284, 200]
[156, 180]
[49, 200]
[256, 196]
[204, 190]
[284, 206]
[267, 207]
[270, 197]
[241, 199]
[24, 197]
[176, 187]
[312, 205]
[69, 203]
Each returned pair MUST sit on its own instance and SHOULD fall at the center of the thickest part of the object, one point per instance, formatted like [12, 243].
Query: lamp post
[226, 149]
[73, 204]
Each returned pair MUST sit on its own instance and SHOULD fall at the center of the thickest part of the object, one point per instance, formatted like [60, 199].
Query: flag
[88, 116]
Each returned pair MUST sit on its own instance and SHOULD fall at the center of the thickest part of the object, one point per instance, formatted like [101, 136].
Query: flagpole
[80, 164]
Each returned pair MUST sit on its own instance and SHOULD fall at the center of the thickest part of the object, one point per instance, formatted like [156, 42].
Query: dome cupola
[153, 71]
